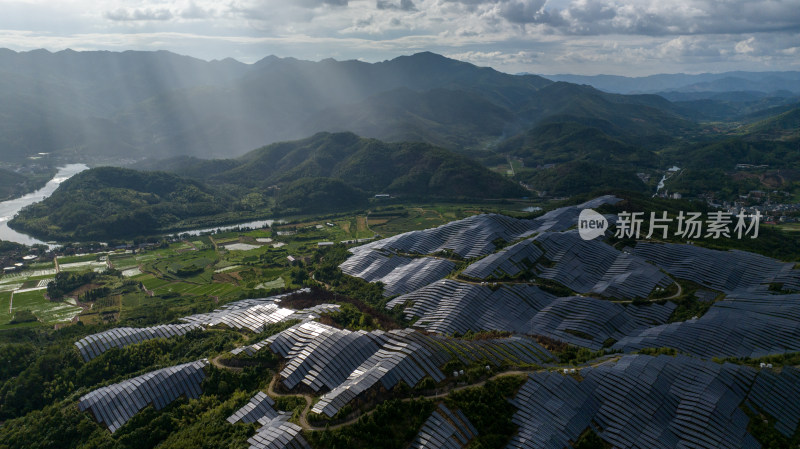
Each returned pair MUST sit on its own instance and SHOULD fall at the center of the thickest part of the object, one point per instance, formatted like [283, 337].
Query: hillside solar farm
[562, 341]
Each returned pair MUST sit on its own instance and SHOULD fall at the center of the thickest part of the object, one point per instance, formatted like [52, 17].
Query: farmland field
[45, 310]
[78, 258]
[82, 266]
[277, 283]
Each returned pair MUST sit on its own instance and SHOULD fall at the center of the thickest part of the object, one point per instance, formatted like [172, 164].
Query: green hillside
[409, 169]
[579, 177]
[10, 183]
[768, 150]
[555, 143]
[104, 203]
[782, 126]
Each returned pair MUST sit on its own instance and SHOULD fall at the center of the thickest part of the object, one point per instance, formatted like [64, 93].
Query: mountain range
[779, 83]
[107, 107]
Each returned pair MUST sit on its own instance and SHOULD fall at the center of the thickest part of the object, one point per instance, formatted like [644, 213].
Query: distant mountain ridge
[105, 107]
[739, 81]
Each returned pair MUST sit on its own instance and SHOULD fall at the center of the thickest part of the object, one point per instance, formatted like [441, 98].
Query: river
[10, 208]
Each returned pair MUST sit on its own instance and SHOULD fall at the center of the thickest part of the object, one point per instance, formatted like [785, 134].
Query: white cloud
[745, 46]
[545, 36]
[135, 14]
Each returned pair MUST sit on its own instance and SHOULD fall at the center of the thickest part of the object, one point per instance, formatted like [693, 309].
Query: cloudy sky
[623, 37]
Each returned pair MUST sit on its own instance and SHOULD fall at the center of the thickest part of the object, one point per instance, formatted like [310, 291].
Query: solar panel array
[256, 314]
[96, 344]
[564, 218]
[473, 236]
[449, 307]
[410, 356]
[260, 406]
[506, 262]
[588, 322]
[350, 363]
[115, 404]
[399, 274]
[727, 271]
[250, 350]
[445, 429]
[278, 433]
[593, 266]
[638, 401]
[742, 325]
[552, 411]
[468, 238]
[321, 356]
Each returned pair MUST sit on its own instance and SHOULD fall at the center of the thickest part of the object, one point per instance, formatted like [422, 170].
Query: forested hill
[105, 203]
[411, 169]
[323, 173]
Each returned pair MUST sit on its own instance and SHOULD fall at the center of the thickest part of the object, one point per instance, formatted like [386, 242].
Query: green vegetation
[316, 195]
[762, 427]
[66, 282]
[576, 177]
[777, 360]
[561, 142]
[107, 203]
[488, 409]
[590, 440]
[56, 370]
[392, 425]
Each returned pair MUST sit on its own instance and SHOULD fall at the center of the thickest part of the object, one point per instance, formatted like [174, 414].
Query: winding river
[10, 208]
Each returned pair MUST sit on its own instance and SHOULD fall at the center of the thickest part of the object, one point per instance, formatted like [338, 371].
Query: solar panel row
[96, 344]
[278, 433]
[727, 271]
[448, 306]
[473, 236]
[743, 325]
[251, 314]
[410, 356]
[399, 274]
[507, 262]
[115, 404]
[445, 429]
[260, 406]
[639, 401]
[321, 356]
[778, 395]
[593, 266]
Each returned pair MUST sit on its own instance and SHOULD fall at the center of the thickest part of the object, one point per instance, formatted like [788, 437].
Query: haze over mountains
[108, 106]
[779, 83]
